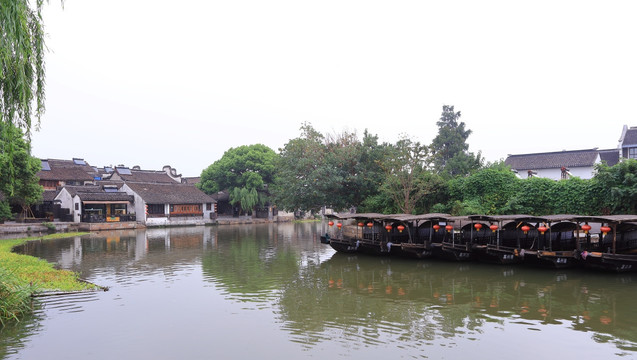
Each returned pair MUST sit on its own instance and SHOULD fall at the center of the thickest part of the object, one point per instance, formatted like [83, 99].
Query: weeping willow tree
[21, 99]
[247, 199]
[22, 63]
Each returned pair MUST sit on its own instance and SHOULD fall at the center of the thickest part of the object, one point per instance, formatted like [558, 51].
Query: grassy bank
[21, 276]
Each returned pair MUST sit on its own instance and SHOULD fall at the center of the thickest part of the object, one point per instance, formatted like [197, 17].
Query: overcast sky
[178, 83]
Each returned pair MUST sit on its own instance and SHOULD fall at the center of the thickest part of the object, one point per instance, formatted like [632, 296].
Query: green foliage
[49, 226]
[21, 62]
[18, 169]
[247, 171]
[574, 196]
[616, 187]
[406, 179]
[490, 188]
[248, 166]
[337, 171]
[449, 149]
[533, 197]
[5, 211]
[15, 298]
[301, 182]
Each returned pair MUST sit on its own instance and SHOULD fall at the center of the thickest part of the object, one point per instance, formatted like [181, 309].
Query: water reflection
[366, 297]
[325, 303]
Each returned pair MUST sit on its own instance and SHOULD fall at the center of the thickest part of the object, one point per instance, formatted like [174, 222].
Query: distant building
[581, 163]
[166, 204]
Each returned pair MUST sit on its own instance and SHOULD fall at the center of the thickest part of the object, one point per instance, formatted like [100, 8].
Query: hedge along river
[274, 291]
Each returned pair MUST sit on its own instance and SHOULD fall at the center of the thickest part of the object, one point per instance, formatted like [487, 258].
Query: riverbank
[23, 276]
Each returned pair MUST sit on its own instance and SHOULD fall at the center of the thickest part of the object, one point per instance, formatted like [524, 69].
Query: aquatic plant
[15, 297]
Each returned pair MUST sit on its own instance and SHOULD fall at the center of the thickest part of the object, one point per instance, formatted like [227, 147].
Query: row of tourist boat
[555, 241]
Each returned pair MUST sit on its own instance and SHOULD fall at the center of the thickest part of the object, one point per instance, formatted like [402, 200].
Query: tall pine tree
[449, 149]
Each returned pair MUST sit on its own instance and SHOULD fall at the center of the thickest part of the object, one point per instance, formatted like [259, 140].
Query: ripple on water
[68, 303]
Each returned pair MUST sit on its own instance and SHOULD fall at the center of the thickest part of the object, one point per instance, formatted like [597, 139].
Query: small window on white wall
[77, 206]
[632, 153]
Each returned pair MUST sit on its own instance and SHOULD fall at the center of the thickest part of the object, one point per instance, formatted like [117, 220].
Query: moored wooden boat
[456, 245]
[614, 248]
[498, 239]
[553, 242]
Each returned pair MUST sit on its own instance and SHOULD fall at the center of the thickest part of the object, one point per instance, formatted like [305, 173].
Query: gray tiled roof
[97, 193]
[148, 176]
[630, 139]
[611, 156]
[66, 170]
[191, 180]
[163, 193]
[551, 160]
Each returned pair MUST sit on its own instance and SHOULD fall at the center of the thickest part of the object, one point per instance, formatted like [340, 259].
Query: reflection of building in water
[72, 256]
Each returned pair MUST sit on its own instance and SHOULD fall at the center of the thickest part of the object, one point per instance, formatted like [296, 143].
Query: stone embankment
[11, 229]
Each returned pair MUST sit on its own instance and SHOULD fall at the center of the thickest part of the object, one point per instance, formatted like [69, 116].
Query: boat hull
[550, 259]
[344, 246]
[609, 262]
[498, 255]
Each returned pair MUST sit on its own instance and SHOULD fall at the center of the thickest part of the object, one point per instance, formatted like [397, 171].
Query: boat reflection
[422, 300]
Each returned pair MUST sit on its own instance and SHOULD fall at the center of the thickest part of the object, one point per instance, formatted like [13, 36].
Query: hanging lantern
[400, 228]
[526, 229]
[493, 227]
[542, 229]
[339, 225]
[478, 226]
[449, 228]
[360, 224]
[586, 228]
[331, 223]
[388, 227]
[605, 230]
[370, 224]
[436, 227]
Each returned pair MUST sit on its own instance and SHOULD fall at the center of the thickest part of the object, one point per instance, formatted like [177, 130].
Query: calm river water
[275, 292]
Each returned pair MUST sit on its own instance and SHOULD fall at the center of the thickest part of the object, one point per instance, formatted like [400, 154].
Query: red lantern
[331, 223]
[370, 224]
[542, 229]
[436, 227]
[493, 227]
[360, 224]
[605, 230]
[339, 225]
[388, 227]
[478, 226]
[586, 228]
[400, 228]
[449, 228]
[526, 229]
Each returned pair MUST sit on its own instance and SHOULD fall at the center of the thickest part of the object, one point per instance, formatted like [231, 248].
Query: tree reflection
[419, 301]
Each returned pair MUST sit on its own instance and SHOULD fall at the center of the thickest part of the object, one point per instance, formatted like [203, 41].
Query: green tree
[449, 149]
[301, 182]
[485, 192]
[338, 170]
[246, 171]
[22, 63]
[406, 176]
[18, 171]
[616, 187]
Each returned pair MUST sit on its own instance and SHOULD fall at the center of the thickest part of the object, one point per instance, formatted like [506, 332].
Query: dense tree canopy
[449, 149]
[18, 172]
[246, 171]
[338, 171]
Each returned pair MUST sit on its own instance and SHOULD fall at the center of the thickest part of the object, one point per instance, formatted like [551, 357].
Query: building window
[185, 209]
[208, 206]
[77, 206]
[156, 209]
[632, 153]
